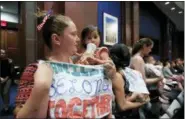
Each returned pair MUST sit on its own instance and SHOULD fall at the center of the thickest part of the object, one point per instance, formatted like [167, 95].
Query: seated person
[169, 75]
[120, 56]
[5, 81]
[173, 68]
[150, 68]
[153, 71]
[137, 87]
[179, 66]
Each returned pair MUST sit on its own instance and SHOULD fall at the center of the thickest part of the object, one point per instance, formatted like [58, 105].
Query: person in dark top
[120, 55]
[179, 66]
[5, 82]
[173, 68]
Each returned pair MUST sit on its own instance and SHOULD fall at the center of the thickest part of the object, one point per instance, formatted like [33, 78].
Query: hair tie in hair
[138, 41]
[48, 14]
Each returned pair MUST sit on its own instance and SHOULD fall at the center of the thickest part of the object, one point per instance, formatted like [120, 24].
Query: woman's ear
[144, 45]
[55, 39]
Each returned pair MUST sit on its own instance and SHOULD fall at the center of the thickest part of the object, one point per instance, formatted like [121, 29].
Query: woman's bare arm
[42, 83]
[118, 87]
[139, 65]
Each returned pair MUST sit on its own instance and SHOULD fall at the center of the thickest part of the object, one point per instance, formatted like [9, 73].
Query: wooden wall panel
[82, 13]
[9, 41]
[135, 22]
[130, 14]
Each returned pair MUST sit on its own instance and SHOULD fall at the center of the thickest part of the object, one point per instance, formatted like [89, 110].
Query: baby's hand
[93, 60]
[110, 69]
[147, 99]
[142, 98]
[85, 56]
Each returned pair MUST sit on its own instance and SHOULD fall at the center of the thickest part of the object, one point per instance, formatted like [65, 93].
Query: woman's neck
[140, 54]
[59, 57]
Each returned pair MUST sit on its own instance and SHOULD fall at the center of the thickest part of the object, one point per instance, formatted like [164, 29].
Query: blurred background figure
[179, 66]
[5, 81]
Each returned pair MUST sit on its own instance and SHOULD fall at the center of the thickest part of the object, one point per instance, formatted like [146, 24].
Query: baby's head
[90, 34]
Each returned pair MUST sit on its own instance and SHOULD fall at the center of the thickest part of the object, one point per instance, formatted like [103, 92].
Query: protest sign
[136, 81]
[79, 91]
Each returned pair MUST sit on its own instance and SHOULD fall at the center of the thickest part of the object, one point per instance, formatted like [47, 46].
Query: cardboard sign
[136, 81]
[79, 91]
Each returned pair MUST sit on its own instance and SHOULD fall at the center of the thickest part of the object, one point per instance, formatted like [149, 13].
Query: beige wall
[82, 13]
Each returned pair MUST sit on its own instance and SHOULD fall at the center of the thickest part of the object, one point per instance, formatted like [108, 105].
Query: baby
[92, 54]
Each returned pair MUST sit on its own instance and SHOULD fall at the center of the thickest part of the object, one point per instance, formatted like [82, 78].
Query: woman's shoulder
[119, 80]
[137, 57]
[135, 60]
[44, 70]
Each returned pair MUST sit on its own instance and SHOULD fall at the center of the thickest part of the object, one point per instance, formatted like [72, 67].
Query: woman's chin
[74, 52]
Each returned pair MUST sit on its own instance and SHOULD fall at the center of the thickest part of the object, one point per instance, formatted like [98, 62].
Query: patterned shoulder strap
[26, 84]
